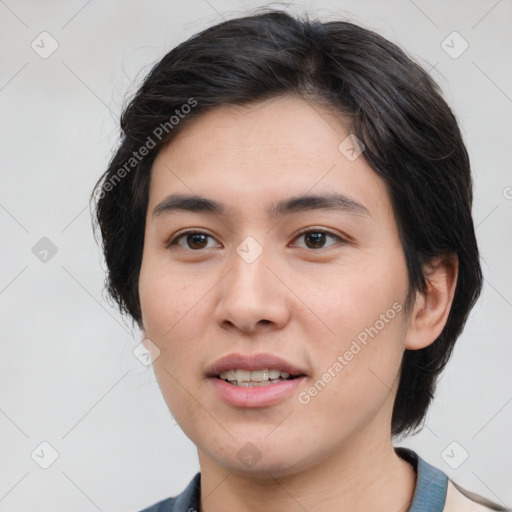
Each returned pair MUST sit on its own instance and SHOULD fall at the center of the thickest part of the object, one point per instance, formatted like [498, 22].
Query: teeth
[259, 375]
[243, 375]
[229, 375]
[252, 384]
[254, 376]
[274, 374]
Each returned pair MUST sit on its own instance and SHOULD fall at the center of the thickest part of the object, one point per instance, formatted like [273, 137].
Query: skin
[301, 303]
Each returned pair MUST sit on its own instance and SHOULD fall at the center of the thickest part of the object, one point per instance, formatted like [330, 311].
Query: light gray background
[68, 375]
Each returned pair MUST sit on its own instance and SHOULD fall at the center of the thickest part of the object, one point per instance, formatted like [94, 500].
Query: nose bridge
[250, 272]
[248, 294]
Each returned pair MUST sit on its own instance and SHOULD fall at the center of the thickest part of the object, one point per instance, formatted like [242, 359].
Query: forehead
[250, 157]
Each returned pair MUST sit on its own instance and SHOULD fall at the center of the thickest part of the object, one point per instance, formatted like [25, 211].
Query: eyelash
[174, 241]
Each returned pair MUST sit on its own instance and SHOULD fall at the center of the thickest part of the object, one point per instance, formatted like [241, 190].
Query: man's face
[330, 302]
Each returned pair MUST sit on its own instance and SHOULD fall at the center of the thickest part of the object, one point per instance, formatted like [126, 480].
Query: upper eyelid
[177, 238]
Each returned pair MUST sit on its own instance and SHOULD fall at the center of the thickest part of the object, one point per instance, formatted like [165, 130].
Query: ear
[431, 309]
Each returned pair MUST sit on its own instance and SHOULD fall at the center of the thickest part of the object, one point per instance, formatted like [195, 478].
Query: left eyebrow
[296, 204]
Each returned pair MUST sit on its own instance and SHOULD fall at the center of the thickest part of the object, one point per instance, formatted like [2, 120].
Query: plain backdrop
[68, 375]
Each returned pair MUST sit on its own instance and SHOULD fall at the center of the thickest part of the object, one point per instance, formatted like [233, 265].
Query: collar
[431, 483]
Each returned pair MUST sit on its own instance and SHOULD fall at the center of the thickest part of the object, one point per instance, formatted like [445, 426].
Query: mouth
[261, 370]
[260, 367]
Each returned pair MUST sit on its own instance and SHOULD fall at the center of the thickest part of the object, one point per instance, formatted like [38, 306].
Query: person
[288, 221]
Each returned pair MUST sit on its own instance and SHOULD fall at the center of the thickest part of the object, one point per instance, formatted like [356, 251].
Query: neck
[360, 477]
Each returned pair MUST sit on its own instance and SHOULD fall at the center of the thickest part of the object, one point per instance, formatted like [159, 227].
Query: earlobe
[431, 309]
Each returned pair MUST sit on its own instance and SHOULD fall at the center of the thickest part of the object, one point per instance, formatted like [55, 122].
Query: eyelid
[319, 230]
[174, 240]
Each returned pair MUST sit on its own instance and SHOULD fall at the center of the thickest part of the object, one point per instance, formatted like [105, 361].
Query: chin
[277, 467]
[257, 457]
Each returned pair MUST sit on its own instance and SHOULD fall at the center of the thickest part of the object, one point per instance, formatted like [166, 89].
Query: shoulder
[435, 492]
[166, 505]
[459, 499]
[187, 501]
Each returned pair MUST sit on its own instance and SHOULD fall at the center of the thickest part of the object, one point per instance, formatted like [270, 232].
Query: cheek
[359, 359]
[356, 298]
[171, 305]
[166, 297]
[355, 379]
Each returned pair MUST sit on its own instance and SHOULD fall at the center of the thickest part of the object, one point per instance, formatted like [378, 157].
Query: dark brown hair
[411, 137]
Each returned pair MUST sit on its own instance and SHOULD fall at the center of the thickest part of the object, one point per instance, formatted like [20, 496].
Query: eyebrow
[328, 201]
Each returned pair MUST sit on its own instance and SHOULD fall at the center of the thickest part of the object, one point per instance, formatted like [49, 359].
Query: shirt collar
[431, 483]
[188, 500]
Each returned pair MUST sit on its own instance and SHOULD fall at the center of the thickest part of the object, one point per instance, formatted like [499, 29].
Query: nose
[253, 296]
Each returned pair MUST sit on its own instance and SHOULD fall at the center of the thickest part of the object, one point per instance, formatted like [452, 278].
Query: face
[321, 288]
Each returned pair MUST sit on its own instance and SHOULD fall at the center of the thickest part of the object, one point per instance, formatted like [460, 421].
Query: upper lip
[252, 362]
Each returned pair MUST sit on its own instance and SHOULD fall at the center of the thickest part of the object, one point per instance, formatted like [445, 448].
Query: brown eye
[197, 240]
[194, 240]
[315, 239]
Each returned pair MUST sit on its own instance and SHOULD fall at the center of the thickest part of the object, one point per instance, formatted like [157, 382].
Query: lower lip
[256, 396]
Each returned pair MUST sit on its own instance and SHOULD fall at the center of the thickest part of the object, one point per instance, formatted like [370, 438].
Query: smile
[246, 378]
